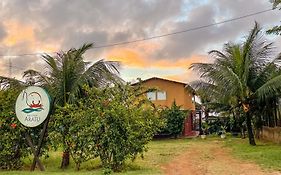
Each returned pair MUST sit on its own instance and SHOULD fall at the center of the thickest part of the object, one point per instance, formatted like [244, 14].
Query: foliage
[205, 127]
[78, 139]
[276, 29]
[67, 73]
[114, 123]
[10, 146]
[13, 145]
[123, 124]
[243, 76]
[174, 118]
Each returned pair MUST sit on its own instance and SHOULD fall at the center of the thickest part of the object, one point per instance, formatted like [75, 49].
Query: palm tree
[66, 74]
[243, 75]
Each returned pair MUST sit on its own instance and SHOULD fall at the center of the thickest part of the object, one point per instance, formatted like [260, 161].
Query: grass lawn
[159, 152]
[265, 154]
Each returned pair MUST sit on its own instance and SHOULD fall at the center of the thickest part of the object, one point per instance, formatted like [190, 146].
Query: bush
[13, 145]
[114, 123]
[124, 123]
[174, 118]
[78, 139]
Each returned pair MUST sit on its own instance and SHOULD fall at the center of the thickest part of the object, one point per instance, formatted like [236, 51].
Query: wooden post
[36, 158]
[42, 135]
[36, 153]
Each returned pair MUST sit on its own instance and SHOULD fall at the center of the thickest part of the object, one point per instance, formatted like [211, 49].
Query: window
[161, 95]
[151, 95]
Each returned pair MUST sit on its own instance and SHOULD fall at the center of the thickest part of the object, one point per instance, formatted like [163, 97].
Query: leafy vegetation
[11, 151]
[276, 29]
[96, 115]
[67, 73]
[13, 146]
[174, 118]
[111, 123]
[244, 80]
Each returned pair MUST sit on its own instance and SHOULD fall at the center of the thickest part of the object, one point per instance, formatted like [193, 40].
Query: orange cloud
[17, 32]
[127, 57]
[135, 58]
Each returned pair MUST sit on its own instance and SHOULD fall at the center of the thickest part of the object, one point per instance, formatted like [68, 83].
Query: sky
[47, 26]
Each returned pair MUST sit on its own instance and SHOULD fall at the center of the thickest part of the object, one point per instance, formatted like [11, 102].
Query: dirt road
[211, 158]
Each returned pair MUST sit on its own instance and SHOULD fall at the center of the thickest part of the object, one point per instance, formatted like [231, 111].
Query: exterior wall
[271, 134]
[174, 91]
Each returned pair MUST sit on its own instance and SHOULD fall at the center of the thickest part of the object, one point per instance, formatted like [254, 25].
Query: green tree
[79, 138]
[114, 123]
[244, 75]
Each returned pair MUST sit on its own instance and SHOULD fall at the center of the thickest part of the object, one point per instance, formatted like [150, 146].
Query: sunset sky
[46, 26]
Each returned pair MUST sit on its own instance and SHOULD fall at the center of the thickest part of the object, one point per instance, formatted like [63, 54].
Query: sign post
[33, 107]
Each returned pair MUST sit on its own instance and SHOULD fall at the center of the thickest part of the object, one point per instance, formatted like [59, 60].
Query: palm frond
[33, 77]
[6, 82]
[269, 89]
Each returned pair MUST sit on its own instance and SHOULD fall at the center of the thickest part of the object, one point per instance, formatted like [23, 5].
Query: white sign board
[32, 106]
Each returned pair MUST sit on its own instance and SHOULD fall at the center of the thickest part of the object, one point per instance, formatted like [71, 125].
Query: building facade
[168, 91]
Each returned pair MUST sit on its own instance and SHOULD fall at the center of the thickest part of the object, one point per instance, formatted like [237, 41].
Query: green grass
[159, 152]
[265, 154]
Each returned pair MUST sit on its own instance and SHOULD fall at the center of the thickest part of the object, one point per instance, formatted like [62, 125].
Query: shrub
[79, 136]
[13, 145]
[124, 123]
[114, 123]
[174, 117]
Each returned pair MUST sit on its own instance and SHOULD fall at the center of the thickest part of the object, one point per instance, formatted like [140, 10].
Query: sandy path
[211, 158]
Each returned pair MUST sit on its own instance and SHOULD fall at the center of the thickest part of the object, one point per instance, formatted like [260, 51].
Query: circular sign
[32, 106]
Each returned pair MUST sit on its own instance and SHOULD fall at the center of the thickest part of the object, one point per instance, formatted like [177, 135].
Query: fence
[271, 134]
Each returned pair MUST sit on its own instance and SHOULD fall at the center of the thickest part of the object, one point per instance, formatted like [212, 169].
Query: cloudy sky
[37, 26]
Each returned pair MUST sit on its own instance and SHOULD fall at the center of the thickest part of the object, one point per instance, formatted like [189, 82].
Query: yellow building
[168, 91]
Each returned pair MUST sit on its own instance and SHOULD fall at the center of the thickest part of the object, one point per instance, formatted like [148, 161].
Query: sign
[32, 106]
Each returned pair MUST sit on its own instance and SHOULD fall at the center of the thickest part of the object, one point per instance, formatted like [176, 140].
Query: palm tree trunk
[250, 129]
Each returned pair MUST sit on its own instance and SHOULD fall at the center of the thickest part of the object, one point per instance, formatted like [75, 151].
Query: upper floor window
[161, 95]
[157, 95]
[151, 95]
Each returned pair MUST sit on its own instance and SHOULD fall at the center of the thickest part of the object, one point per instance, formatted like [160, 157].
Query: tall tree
[243, 75]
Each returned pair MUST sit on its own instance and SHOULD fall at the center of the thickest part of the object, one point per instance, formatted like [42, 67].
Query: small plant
[107, 171]
[205, 128]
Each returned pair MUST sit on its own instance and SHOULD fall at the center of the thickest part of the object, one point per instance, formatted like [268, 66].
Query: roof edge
[157, 78]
